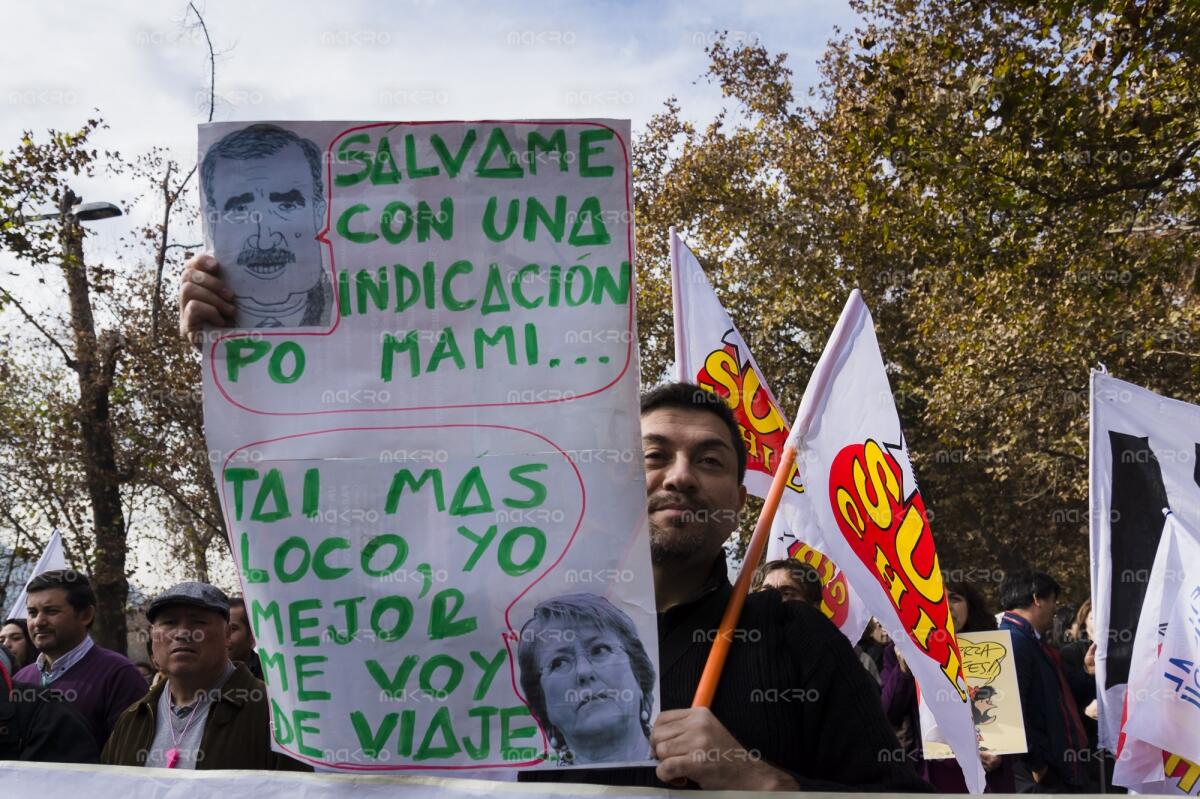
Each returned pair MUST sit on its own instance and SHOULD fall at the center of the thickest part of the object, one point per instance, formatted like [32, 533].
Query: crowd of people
[1055, 667]
[798, 706]
[204, 704]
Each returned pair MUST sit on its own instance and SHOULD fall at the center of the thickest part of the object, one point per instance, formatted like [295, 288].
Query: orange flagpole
[733, 611]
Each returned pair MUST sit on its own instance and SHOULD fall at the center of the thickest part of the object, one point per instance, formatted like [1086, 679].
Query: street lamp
[84, 212]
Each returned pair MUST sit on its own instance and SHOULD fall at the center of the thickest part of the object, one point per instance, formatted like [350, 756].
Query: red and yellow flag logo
[835, 593]
[889, 532]
[1185, 773]
[763, 428]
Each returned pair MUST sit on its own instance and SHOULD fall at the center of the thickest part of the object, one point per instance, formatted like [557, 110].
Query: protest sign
[991, 675]
[109, 782]
[127, 782]
[426, 437]
[854, 457]
[710, 352]
[1143, 458]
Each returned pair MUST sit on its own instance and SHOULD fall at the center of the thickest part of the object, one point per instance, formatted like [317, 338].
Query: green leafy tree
[102, 432]
[1013, 189]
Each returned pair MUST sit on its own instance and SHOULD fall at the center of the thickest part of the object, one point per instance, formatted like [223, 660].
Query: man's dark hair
[1019, 588]
[690, 397]
[259, 141]
[237, 602]
[79, 590]
[803, 576]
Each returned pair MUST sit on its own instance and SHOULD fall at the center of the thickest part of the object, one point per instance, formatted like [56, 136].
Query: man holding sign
[816, 720]
[516, 283]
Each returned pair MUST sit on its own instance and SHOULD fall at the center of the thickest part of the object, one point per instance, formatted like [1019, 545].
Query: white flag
[865, 499]
[1143, 454]
[52, 558]
[710, 352]
[1162, 713]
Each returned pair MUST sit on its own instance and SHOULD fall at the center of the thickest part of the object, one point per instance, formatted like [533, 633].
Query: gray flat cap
[201, 595]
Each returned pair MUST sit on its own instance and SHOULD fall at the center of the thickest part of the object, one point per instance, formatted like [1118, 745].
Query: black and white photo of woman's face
[592, 695]
[265, 225]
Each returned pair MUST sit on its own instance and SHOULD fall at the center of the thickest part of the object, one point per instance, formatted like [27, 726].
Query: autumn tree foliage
[1012, 186]
[100, 417]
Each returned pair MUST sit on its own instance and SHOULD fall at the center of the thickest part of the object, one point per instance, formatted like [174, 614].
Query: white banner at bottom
[109, 782]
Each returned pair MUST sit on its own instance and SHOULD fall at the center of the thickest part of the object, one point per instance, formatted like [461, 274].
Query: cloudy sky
[144, 66]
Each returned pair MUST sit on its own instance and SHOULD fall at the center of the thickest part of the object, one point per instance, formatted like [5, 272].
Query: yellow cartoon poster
[995, 699]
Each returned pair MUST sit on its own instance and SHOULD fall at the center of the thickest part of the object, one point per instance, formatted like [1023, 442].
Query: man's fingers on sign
[688, 744]
[692, 744]
[204, 300]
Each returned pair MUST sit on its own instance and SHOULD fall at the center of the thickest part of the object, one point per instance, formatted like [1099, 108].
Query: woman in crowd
[870, 648]
[1079, 667]
[588, 680]
[971, 615]
[14, 634]
[795, 581]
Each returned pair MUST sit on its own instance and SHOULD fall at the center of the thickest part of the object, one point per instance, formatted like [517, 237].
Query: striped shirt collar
[1023, 623]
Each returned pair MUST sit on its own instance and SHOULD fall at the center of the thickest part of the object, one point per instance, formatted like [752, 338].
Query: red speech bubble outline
[508, 635]
[323, 238]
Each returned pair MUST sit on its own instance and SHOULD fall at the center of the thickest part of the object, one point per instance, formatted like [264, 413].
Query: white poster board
[425, 427]
[991, 674]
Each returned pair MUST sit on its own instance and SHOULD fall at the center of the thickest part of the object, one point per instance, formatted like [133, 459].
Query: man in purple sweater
[98, 683]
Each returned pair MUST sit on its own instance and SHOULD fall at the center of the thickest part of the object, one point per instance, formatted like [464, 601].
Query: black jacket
[1053, 731]
[35, 724]
[792, 692]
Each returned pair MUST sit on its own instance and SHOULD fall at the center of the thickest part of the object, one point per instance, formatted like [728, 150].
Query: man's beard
[671, 545]
[674, 543]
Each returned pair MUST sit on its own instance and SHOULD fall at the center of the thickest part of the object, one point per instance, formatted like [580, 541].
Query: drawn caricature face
[265, 226]
[983, 705]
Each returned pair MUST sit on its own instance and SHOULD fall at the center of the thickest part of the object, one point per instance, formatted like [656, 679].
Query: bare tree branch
[212, 67]
[29, 317]
[171, 197]
[183, 503]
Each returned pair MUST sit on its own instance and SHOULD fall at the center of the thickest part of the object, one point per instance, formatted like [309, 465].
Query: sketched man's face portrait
[266, 208]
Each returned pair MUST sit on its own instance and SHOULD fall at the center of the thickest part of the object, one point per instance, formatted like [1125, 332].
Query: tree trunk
[95, 365]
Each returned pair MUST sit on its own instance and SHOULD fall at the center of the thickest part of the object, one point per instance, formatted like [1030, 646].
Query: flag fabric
[1159, 743]
[710, 352]
[1144, 450]
[53, 557]
[864, 498]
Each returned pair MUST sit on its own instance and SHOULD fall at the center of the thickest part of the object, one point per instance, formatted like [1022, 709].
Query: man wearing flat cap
[207, 713]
